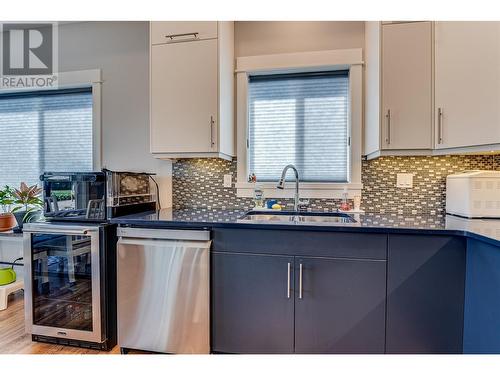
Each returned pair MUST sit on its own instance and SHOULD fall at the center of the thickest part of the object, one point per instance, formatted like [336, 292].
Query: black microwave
[96, 196]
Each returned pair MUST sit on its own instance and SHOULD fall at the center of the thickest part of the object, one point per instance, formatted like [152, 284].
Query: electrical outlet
[404, 180]
[228, 180]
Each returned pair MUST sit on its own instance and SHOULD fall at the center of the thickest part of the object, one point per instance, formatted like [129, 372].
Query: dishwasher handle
[164, 234]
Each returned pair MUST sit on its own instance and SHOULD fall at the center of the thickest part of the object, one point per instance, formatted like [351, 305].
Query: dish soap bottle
[258, 192]
[344, 206]
[258, 196]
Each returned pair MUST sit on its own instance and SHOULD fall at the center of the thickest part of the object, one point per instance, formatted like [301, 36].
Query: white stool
[5, 290]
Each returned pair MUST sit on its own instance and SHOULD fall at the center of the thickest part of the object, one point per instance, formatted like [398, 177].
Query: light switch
[228, 180]
[404, 180]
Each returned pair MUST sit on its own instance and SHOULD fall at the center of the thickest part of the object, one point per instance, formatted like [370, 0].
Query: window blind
[44, 131]
[299, 119]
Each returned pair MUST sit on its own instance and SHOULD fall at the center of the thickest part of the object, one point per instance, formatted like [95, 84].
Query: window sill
[321, 190]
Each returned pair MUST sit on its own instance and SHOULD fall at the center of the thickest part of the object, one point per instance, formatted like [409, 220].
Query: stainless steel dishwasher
[163, 290]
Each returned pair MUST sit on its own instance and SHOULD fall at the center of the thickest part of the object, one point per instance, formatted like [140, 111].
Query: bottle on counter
[258, 196]
[344, 205]
[258, 192]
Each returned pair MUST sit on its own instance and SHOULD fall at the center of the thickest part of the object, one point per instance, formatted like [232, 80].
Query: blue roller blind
[299, 119]
[44, 131]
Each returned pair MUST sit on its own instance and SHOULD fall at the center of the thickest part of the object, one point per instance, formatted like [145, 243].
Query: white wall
[271, 37]
[11, 248]
[121, 51]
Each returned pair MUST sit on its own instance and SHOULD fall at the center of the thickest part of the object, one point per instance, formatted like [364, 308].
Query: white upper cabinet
[467, 87]
[192, 91]
[432, 88]
[181, 31]
[184, 97]
[398, 92]
[407, 86]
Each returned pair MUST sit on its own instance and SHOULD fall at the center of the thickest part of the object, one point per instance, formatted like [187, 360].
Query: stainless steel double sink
[304, 218]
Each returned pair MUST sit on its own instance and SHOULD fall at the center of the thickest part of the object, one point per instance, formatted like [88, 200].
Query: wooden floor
[13, 339]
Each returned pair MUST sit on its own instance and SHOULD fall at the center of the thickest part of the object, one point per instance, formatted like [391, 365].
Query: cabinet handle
[172, 36]
[288, 281]
[440, 125]
[212, 122]
[300, 281]
[388, 116]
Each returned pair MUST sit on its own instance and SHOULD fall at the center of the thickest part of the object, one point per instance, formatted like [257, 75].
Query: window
[300, 119]
[45, 131]
[322, 135]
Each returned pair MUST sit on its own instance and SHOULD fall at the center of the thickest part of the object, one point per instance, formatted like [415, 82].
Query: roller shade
[44, 131]
[299, 119]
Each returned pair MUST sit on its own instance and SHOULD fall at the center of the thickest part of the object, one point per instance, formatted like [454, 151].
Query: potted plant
[29, 204]
[7, 219]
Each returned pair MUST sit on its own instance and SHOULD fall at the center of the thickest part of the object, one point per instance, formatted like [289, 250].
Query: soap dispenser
[344, 205]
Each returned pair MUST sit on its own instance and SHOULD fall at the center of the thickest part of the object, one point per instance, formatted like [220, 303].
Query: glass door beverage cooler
[70, 283]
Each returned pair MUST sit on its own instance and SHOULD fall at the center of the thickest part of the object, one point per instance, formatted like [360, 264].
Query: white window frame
[345, 59]
[77, 79]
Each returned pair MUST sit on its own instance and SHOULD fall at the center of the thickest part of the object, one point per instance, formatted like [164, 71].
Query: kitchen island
[382, 284]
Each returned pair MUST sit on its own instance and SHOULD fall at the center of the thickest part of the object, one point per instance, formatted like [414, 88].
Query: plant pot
[7, 222]
[22, 218]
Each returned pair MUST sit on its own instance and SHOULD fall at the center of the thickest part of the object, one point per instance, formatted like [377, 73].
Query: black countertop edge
[137, 221]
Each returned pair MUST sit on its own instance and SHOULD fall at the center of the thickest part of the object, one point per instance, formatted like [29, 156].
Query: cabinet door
[252, 303]
[341, 308]
[407, 86]
[467, 104]
[482, 298]
[178, 31]
[425, 294]
[184, 97]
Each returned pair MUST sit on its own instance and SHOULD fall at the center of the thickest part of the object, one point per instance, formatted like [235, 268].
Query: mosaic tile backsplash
[199, 183]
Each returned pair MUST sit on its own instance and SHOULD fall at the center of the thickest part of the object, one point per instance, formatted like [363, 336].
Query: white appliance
[473, 194]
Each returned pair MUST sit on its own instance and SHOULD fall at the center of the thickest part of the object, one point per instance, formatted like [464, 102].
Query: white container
[473, 194]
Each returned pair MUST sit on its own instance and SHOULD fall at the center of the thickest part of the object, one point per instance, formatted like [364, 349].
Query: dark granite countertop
[195, 218]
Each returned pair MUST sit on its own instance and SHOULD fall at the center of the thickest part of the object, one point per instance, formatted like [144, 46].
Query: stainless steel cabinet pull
[388, 116]
[212, 122]
[57, 229]
[172, 36]
[440, 125]
[300, 281]
[288, 281]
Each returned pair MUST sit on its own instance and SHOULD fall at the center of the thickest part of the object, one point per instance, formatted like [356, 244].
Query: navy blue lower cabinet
[482, 299]
[339, 305]
[252, 306]
[425, 294]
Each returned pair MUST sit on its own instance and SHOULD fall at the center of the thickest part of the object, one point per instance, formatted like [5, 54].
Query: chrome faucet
[281, 184]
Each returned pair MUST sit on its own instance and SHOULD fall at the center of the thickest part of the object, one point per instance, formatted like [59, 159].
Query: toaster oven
[129, 192]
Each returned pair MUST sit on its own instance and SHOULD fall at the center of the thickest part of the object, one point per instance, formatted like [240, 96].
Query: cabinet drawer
[181, 31]
[301, 243]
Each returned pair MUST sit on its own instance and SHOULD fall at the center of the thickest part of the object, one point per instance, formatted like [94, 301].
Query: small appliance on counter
[130, 193]
[473, 194]
[96, 196]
